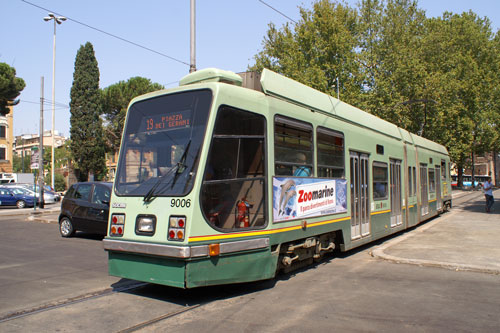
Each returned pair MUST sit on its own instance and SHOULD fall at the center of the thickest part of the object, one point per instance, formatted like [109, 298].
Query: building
[111, 161]
[487, 164]
[24, 144]
[6, 141]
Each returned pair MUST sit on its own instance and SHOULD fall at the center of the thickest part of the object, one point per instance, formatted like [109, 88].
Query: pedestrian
[488, 194]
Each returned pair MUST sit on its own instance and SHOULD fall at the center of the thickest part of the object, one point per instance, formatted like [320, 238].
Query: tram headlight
[117, 225]
[176, 228]
[145, 225]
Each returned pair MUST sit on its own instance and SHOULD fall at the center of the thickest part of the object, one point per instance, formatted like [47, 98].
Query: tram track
[160, 318]
[69, 301]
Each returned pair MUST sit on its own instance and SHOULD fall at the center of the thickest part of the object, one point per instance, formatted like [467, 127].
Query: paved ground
[467, 238]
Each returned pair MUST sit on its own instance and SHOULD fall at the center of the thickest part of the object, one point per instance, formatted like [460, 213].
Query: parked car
[13, 197]
[48, 197]
[48, 189]
[85, 207]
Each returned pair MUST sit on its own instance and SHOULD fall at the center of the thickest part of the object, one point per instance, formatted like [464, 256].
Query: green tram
[231, 178]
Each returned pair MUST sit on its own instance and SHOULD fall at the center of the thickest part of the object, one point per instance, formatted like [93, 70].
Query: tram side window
[443, 170]
[380, 181]
[293, 145]
[330, 147]
[233, 190]
[410, 181]
[432, 180]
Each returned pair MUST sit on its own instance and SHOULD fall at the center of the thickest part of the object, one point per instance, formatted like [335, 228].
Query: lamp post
[57, 20]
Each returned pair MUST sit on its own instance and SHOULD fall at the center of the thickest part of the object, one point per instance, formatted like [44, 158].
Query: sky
[229, 33]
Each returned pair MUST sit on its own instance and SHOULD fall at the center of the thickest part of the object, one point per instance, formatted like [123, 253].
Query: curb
[378, 252]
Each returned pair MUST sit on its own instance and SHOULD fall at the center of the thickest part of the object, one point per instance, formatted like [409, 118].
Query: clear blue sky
[229, 33]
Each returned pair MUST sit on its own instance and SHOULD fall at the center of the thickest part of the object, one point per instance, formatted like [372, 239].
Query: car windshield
[161, 144]
[21, 191]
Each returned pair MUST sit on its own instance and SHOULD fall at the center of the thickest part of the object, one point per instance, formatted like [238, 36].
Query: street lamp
[58, 20]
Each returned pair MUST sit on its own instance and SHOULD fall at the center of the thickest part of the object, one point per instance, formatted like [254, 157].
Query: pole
[40, 149]
[192, 66]
[22, 152]
[338, 89]
[53, 101]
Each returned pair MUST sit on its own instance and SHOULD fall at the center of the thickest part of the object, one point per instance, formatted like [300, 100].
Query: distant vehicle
[6, 178]
[49, 190]
[85, 207]
[15, 197]
[467, 180]
[48, 197]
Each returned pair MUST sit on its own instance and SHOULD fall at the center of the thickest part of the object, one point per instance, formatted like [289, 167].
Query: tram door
[424, 191]
[439, 200]
[360, 209]
[396, 211]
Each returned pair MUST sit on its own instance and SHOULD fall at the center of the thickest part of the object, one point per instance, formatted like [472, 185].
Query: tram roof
[281, 87]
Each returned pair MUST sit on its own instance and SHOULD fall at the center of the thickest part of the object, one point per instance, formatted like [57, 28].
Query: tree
[10, 87]
[87, 143]
[62, 156]
[397, 86]
[115, 100]
[59, 181]
[437, 77]
[461, 52]
[320, 49]
[18, 161]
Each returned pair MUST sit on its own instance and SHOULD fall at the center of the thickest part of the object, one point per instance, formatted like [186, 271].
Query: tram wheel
[66, 227]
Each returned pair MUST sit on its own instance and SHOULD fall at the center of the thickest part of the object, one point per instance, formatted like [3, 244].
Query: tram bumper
[191, 266]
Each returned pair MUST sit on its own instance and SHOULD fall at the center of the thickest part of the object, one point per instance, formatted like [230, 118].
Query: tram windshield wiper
[151, 193]
[181, 166]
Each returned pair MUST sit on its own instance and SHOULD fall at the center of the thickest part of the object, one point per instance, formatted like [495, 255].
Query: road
[353, 292]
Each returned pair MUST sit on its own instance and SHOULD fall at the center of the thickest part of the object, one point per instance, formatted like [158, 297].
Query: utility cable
[109, 34]
[268, 5]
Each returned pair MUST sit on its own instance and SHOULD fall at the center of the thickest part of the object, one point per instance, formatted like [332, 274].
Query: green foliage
[10, 87]
[87, 142]
[59, 181]
[62, 156]
[115, 100]
[17, 164]
[437, 77]
[321, 48]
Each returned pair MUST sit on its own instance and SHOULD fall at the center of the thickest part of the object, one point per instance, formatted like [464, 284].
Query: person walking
[488, 194]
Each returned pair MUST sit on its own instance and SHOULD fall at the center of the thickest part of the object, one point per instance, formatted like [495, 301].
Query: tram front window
[233, 190]
[161, 145]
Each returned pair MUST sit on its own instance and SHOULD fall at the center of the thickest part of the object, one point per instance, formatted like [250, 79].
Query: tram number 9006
[180, 203]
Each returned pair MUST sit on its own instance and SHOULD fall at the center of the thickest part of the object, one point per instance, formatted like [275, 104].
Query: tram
[231, 178]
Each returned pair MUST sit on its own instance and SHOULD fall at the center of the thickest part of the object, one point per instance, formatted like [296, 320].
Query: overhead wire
[109, 34]
[277, 11]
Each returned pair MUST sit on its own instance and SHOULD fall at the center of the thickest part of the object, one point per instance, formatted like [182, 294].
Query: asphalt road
[352, 292]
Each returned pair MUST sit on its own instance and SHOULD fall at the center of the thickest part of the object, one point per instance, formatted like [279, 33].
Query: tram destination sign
[165, 122]
[297, 197]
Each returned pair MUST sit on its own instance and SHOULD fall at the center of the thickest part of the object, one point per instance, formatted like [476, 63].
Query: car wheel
[21, 204]
[66, 227]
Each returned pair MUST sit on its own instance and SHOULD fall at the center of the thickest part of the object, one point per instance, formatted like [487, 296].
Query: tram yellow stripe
[432, 200]
[262, 232]
[381, 212]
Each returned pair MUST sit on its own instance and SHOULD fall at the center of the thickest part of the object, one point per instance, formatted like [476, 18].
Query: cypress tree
[87, 144]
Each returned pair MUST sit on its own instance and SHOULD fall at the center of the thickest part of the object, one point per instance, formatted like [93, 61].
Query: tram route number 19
[180, 203]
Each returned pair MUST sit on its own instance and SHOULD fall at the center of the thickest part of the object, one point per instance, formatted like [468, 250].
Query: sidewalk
[466, 238]
[38, 212]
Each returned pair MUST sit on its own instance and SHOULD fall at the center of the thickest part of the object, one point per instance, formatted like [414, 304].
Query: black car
[85, 207]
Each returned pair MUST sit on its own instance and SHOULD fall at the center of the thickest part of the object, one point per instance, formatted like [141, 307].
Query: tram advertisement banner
[297, 197]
